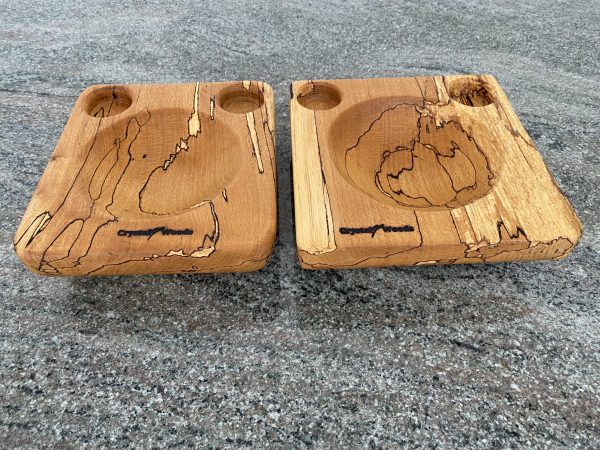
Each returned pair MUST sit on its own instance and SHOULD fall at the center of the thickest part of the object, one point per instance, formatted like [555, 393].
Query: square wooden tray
[424, 170]
[157, 179]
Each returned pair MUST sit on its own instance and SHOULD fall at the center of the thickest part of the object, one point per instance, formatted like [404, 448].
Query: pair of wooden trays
[404, 171]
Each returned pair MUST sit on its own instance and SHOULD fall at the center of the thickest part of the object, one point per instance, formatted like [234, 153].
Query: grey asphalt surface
[486, 356]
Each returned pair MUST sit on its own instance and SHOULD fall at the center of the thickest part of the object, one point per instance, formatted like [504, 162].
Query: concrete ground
[503, 355]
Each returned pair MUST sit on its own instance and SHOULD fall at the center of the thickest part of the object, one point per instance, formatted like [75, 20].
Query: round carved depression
[387, 149]
[471, 91]
[317, 96]
[106, 101]
[238, 99]
[162, 162]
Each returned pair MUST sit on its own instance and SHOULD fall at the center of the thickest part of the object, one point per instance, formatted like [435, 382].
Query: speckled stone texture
[502, 355]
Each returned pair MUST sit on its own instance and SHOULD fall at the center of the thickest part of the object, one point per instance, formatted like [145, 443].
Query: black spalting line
[214, 238]
[29, 227]
[469, 137]
[114, 219]
[161, 166]
[264, 115]
[325, 266]
[373, 123]
[323, 177]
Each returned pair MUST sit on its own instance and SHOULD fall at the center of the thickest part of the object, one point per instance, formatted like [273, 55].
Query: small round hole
[106, 101]
[240, 99]
[318, 96]
[471, 91]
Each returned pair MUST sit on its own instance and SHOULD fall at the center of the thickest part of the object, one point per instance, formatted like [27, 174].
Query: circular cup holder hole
[106, 101]
[471, 91]
[318, 96]
[239, 99]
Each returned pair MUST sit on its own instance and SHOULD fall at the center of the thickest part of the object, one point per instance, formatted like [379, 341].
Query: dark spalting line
[450, 122]
[397, 175]
[78, 260]
[71, 247]
[372, 124]
[263, 257]
[519, 232]
[92, 205]
[455, 147]
[79, 219]
[89, 152]
[112, 101]
[558, 239]
[547, 244]
[472, 139]
[456, 192]
[323, 265]
[161, 166]
[40, 229]
[479, 149]
[255, 149]
[500, 225]
[15, 243]
[452, 260]
[330, 212]
[82, 165]
[116, 147]
[43, 261]
[312, 90]
[129, 157]
[264, 115]
[115, 218]
[213, 238]
[437, 95]
[420, 90]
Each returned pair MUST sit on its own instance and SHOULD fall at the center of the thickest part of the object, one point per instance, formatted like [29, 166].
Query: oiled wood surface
[422, 170]
[157, 178]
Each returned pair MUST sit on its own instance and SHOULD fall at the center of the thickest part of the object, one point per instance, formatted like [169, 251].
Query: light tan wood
[424, 170]
[157, 179]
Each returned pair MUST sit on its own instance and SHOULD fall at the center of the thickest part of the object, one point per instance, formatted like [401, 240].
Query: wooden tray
[424, 170]
[157, 179]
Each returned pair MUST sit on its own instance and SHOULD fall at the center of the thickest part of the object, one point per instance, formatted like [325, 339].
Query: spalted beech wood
[157, 179]
[424, 170]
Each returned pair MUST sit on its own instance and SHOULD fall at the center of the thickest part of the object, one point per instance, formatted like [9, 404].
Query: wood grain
[426, 170]
[157, 179]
